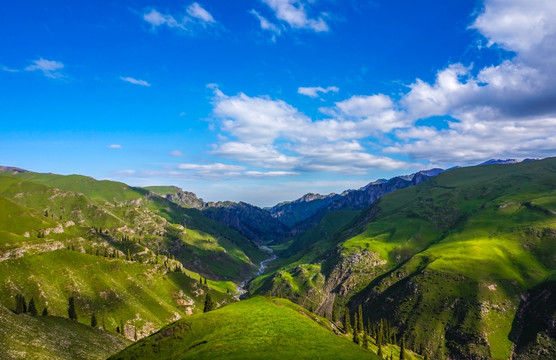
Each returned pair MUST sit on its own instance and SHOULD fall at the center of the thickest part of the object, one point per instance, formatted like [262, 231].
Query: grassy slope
[473, 241]
[455, 254]
[141, 295]
[205, 246]
[258, 328]
[50, 337]
[163, 190]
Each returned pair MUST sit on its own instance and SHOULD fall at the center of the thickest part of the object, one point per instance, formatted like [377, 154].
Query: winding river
[241, 289]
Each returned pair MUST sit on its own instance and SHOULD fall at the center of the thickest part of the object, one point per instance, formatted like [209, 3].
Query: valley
[451, 263]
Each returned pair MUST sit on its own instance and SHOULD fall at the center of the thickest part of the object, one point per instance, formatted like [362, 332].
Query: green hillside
[448, 261]
[50, 337]
[142, 297]
[258, 328]
[131, 257]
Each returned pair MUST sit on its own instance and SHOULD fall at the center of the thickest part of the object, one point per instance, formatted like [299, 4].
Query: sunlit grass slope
[258, 328]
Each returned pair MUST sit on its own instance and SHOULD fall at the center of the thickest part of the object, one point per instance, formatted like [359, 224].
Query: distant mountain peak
[499, 162]
[13, 169]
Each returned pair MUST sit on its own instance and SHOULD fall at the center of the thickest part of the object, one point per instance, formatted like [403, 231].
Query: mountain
[461, 264]
[258, 328]
[251, 221]
[499, 162]
[310, 211]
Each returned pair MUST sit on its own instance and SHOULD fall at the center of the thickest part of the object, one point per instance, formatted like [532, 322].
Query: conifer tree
[379, 345]
[118, 329]
[402, 349]
[334, 315]
[122, 327]
[209, 304]
[72, 315]
[205, 281]
[360, 318]
[128, 257]
[426, 356]
[356, 338]
[347, 320]
[45, 311]
[32, 309]
[94, 320]
[365, 339]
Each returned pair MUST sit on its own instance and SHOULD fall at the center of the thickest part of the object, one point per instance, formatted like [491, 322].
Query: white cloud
[211, 167]
[259, 155]
[314, 91]
[135, 81]
[196, 17]
[293, 13]
[5, 68]
[262, 174]
[273, 134]
[176, 153]
[267, 25]
[114, 146]
[48, 67]
[198, 12]
[517, 25]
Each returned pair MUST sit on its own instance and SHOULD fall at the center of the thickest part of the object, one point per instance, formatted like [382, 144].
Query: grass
[141, 295]
[258, 328]
[50, 337]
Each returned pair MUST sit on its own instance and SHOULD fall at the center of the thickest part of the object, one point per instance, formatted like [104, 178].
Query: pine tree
[72, 315]
[209, 304]
[402, 349]
[45, 311]
[347, 320]
[360, 318]
[135, 334]
[379, 344]
[205, 281]
[356, 338]
[118, 329]
[365, 339]
[32, 309]
[93, 320]
[334, 315]
[426, 356]
[122, 327]
[128, 257]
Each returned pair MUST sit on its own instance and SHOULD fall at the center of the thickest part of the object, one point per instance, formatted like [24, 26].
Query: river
[241, 289]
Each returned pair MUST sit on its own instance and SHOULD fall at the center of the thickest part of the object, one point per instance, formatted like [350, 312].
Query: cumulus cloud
[135, 81]
[314, 91]
[504, 110]
[49, 68]
[196, 16]
[270, 133]
[294, 14]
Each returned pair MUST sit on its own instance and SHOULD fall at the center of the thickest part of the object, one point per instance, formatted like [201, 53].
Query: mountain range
[438, 264]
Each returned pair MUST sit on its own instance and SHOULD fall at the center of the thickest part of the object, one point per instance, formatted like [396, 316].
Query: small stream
[241, 289]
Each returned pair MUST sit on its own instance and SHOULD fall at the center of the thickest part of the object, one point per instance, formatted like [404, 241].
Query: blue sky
[265, 100]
